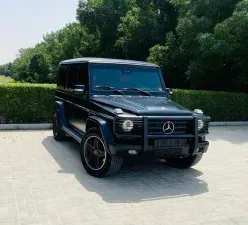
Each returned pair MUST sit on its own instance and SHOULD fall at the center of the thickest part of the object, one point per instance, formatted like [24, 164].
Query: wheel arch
[59, 108]
[104, 127]
[91, 124]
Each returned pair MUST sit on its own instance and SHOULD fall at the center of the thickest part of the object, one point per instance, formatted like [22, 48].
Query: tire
[184, 163]
[95, 157]
[58, 133]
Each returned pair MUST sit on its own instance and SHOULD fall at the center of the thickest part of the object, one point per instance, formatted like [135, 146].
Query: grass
[5, 80]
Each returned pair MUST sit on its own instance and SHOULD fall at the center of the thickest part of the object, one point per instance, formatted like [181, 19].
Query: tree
[145, 26]
[5, 69]
[198, 44]
[69, 42]
[102, 17]
[32, 66]
[208, 46]
[40, 64]
[223, 57]
[170, 58]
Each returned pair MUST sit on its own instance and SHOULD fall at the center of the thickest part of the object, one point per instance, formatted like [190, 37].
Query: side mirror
[170, 91]
[79, 89]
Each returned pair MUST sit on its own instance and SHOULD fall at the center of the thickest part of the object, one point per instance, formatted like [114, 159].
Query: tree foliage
[101, 18]
[209, 46]
[198, 44]
[5, 69]
[145, 26]
[40, 63]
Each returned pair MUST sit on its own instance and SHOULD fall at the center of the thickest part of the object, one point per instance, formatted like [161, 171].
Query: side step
[73, 134]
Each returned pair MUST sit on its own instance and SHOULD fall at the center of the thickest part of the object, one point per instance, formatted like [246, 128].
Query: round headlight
[127, 125]
[200, 124]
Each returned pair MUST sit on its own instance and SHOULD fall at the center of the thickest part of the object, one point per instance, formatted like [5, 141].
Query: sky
[24, 22]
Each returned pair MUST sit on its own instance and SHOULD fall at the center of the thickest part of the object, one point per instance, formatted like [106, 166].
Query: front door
[81, 111]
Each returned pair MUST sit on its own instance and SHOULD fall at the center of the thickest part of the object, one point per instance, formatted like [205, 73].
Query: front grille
[155, 126]
[137, 129]
[205, 129]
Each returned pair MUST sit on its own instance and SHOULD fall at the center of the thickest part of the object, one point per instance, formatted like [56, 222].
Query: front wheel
[184, 162]
[95, 157]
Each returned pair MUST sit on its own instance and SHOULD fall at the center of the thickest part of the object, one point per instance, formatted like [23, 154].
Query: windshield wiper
[137, 89]
[107, 88]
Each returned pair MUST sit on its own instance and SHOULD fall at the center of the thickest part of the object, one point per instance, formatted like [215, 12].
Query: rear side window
[72, 76]
[62, 76]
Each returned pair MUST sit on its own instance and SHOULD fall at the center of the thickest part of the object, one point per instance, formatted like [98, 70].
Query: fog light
[132, 152]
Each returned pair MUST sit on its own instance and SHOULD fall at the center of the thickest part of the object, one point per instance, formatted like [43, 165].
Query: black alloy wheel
[95, 154]
[95, 157]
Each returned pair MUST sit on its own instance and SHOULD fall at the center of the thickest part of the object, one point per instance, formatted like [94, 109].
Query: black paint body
[96, 108]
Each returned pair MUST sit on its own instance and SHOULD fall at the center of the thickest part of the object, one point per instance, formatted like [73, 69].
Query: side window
[83, 74]
[62, 76]
[72, 76]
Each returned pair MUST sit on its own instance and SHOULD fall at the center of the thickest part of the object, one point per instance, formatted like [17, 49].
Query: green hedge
[33, 103]
[221, 106]
[26, 103]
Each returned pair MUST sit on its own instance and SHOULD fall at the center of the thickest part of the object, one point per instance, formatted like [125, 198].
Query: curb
[49, 126]
[26, 126]
[213, 124]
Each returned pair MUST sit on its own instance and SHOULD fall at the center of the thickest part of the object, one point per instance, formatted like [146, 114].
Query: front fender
[59, 108]
[105, 128]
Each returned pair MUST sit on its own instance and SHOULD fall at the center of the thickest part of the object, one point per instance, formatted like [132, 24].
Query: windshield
[120, 77]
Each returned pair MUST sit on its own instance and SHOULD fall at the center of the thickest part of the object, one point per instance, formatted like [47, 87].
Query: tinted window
[72, 76]
[121, 77]
[83, 74]
[62, 76]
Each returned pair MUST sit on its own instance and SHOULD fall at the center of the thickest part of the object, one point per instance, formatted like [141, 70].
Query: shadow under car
[142, 181]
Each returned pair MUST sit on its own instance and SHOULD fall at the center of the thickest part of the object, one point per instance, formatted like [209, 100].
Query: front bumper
[145, 143]
[123, 149]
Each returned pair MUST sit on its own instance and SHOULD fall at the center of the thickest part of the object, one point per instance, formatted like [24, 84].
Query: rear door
[71, 82]
[61, 93]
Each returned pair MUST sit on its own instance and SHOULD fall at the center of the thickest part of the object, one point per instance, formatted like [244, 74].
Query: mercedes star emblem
[168, 127]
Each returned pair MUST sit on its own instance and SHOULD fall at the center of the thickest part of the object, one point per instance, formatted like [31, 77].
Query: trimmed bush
[33, 103]
[220, 106]
[26, 103]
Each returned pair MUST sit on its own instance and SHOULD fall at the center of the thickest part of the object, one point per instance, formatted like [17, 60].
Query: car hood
[140, 105]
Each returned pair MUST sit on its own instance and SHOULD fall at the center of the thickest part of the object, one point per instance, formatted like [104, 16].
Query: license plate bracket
[170, 143]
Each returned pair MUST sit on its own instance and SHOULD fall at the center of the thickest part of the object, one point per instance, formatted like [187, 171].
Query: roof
[108, 61]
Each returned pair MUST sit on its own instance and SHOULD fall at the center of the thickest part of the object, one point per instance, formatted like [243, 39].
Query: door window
[72, 76]
[62, 76]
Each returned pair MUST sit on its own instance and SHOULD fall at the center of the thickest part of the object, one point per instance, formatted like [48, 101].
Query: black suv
[116, 107]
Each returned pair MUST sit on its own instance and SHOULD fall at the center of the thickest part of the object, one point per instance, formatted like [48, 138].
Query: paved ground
[43, 182]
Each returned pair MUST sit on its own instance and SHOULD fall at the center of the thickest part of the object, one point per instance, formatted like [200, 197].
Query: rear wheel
[95, 157]
[184, 162]
[58, 132]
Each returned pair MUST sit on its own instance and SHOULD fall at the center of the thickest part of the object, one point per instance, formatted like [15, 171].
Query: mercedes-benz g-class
[117, 107]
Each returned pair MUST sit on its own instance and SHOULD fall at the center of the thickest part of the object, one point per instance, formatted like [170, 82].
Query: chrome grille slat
[182, 127]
